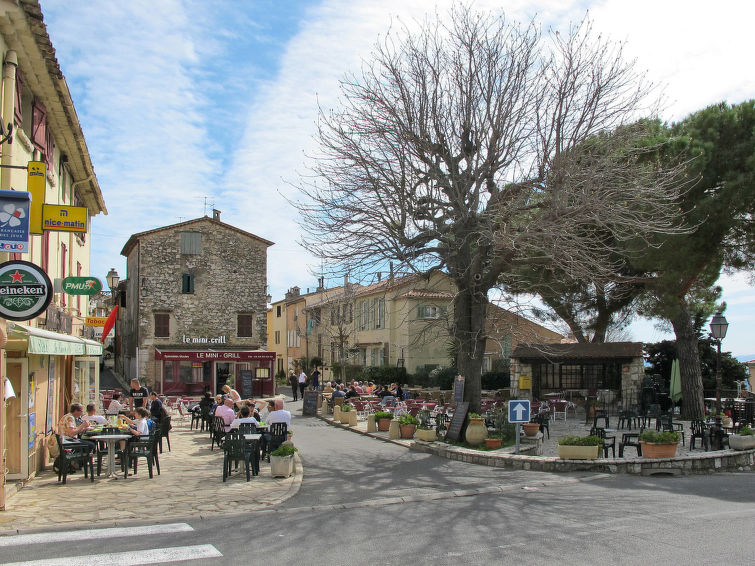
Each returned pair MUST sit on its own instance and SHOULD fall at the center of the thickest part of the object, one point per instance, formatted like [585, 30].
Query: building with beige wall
[48, 360]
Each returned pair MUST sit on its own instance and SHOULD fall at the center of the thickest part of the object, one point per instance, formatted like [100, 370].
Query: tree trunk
[689, 364]
[470, 310]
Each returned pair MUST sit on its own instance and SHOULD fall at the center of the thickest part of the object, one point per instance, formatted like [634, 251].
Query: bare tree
[459, 148]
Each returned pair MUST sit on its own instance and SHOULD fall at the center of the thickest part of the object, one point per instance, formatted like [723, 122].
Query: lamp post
[718, 327]
[112, 279]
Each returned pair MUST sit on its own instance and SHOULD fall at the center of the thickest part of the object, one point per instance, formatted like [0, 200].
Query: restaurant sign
[81, 285]
[25, 290]
[222, 356]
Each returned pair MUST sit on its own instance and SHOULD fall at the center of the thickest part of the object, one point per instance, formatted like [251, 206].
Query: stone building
[194, 307]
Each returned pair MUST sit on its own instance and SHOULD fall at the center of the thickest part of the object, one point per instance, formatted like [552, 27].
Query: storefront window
[86, 381]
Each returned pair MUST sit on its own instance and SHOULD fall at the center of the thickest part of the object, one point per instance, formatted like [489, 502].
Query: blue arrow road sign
[519, 411]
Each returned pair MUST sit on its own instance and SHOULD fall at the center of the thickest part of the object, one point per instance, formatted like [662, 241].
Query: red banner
[109, 323]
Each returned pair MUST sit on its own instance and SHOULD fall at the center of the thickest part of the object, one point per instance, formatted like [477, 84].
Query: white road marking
[90, 534]
[134, 558]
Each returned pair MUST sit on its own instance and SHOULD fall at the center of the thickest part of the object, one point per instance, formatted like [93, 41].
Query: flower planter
[384, 424]
[493, 443]
[578, 452]
[531, 429]
[352, 418]
[281, 466]
[737, 442]
[427, 435]
[476, 432]
[407, 430]
[653, 450]
[345, 417]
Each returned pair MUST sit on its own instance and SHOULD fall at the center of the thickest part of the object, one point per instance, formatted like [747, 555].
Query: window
[191, 243]
[277, 336]
[187, 283]
[430, 311]
[245, 323]
[380, 314]
[278, 311]
[162, 325]
[294, 340]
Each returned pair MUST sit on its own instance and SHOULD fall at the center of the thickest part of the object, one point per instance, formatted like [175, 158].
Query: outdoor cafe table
[111, 439]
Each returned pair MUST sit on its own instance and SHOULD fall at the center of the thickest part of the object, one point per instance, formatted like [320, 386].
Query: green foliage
[383, 415]
[433, 376]
[407, 419]
[496, 380]
[665, 437]
[745, 431]
[345, 408]
[475, 416]
[423, 416]
[383, 374]
[580, 440]
[284, 450]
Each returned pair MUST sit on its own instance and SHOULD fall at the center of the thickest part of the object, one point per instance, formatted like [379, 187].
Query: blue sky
[187, 100]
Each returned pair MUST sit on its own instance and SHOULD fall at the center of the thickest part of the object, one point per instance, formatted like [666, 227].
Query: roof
[578, 351]
[136, 237]
[426, 294]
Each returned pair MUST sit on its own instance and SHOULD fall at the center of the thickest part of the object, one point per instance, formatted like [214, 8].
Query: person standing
[302, 383]
[294, 385]
[316, 379]
[139, 395]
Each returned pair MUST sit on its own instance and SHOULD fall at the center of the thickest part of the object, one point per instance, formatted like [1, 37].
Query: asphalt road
[364, 501]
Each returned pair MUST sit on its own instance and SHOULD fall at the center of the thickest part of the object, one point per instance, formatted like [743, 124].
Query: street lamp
[112, 279]
[718, 327]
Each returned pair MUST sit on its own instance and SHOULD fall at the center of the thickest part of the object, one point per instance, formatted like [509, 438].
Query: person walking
[316, 379]
[302, 383]
[294, 385]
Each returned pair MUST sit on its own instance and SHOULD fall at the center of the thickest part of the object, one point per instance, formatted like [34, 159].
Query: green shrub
[745, 431]
[475, 416]
[580, 441]
[345, 408]
[383, 415]
[407, 419]
[665, 437]
[284, 450]
[495, 380]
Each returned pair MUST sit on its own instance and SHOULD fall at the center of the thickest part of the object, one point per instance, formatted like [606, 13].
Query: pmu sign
[519, 411]
[81, 285]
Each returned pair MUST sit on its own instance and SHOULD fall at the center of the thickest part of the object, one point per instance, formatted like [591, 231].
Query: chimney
[390, 264]
[216, 214]
[346, 280]
[320, 284]
[380, 276]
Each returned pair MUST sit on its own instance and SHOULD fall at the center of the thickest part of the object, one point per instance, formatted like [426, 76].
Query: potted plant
[494, 440]
[531, 429]
[282, 461]
[476, 432]
[743, 440]
[383, 420]
[659, 444]
[345, 410]
[579, 447]
[407, 424]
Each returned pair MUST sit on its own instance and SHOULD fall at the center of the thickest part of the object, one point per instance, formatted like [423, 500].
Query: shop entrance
[17, 420]
[222, 373]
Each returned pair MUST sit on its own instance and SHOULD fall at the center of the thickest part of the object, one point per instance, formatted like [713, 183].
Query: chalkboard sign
[246, 383]
[459, 389]
[457, 422]
[309, 409]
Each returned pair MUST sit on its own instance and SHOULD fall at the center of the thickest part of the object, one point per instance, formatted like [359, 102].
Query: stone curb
[703, 463]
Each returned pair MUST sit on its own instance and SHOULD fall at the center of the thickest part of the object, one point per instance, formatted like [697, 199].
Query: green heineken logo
[81, 285]
[25, 290]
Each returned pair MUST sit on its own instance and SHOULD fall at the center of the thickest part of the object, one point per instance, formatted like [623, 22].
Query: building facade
[193, 309]
[47, 361]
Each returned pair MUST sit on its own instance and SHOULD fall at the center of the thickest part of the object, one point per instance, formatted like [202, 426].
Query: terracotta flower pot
[493, 443]
[653, 450]
[384, 424]
[476, 432]
[407, 430]
[531, 429]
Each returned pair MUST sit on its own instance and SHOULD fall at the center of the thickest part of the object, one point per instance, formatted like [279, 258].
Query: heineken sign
[25, 290]
[81, 285]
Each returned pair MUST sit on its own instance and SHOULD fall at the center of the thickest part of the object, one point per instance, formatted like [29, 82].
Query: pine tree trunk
[689, 364]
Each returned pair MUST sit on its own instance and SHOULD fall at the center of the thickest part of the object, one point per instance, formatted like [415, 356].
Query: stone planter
[345, 417]
[407, 430]
[579, 452]
[281, 466]
[737, 442]
[384, 424]
[653, 450]
[337, 414]
[476, 432]
[531, 429]
[352, 418]
[493, 443]
[427, 435]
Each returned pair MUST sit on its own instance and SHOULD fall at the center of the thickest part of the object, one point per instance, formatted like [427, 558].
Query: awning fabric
[45, 342]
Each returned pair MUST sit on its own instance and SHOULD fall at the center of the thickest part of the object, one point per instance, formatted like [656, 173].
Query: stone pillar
[393, 431]
[371, 425]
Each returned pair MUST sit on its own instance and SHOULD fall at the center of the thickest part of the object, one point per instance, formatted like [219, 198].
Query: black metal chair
[600, 414]
[234, 450]
[668, 425]
[630, 439]
[698, 429]
[217, 432]
[278, 434]
[164, 425]
[70, 452]
[608, 441]
[247, 428]
[141, 447]
[629, 417]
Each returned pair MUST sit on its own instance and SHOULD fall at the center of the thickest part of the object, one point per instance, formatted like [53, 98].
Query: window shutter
[245, 321]
[18, 112]
[187, 283]
[39, 126]
[162, 325]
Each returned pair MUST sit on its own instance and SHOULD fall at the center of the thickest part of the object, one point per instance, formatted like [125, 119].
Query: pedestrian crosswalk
[18, 546]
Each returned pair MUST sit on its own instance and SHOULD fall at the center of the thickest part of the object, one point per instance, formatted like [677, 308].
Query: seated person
[92, 417]
[399, 393]
[328, 387]
[72, 425]
[217, 403]
[139, 425]
[115, 405]
[384, 392]
[155, 407]
[339, 392]
[279, 415]
[352, 392]
[245, 416]
[226, 412]
[358, 387]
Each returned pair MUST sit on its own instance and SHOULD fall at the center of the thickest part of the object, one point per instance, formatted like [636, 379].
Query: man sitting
[245, 416]
[92, 417]
[155, 407]
[339, 392]
[72, 425]
[226, 412]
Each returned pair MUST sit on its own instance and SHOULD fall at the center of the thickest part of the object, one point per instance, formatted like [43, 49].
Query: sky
[189, 105]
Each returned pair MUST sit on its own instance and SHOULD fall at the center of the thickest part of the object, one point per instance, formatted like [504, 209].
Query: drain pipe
[9, 94]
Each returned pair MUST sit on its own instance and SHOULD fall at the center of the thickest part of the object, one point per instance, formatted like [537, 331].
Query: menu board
[459, 389]
[246, 383]
[457, 422]
[309, 409]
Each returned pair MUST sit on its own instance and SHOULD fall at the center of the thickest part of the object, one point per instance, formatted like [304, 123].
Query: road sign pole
[518, 431]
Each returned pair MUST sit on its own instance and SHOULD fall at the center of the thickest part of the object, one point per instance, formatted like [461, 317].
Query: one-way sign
[519, 411]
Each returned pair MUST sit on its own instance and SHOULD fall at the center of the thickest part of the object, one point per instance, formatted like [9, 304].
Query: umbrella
[675, 390]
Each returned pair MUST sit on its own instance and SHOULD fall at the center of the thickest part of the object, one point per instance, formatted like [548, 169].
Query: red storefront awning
[214, 355]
